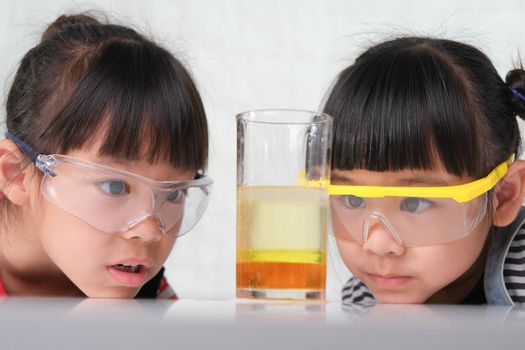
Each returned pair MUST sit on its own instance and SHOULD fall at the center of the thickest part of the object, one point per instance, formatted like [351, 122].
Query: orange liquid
[281, 275]
[281, 239]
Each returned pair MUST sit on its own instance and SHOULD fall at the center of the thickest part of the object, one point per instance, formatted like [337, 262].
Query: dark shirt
[151, 288]
[476, 295]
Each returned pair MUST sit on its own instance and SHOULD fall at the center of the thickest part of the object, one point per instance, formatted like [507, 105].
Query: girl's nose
[380, 237]
[149, 229]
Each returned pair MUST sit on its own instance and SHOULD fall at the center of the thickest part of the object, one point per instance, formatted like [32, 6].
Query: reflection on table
[67, 323]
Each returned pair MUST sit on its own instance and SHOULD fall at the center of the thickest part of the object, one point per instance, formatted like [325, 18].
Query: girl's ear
[509, 194]
[12, 174]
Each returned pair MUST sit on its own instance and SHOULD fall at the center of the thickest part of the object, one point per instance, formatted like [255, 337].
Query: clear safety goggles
[113, 200]
[414, 216]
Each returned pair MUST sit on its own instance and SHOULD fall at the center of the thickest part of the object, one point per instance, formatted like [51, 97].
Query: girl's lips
[133, 261]
[389, 281]
[129, 274]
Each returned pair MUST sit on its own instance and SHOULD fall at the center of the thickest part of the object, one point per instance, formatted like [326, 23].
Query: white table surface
[62, 323]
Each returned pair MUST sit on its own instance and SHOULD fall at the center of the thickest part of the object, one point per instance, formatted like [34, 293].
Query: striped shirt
[3, 292]
[355, 292]
[165, 291]
[514, 268]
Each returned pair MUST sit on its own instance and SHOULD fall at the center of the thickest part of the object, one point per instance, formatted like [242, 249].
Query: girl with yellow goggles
[415, 216]
[425, 194]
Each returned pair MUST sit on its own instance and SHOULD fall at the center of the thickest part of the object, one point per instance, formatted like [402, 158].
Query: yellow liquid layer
[281, 218]
[281, 238]
[285, 269]
[289, 256]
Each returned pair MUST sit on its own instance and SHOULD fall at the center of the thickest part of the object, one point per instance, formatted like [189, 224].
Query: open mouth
[129, 274]
[129, 268]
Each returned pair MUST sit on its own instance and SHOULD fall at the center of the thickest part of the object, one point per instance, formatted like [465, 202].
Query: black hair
[412, 102]
[87, 77]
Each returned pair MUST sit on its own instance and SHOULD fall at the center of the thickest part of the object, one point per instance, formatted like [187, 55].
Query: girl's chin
[398, 299]
[117, 293]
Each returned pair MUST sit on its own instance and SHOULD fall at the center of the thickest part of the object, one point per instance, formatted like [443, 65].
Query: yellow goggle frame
[460, 193]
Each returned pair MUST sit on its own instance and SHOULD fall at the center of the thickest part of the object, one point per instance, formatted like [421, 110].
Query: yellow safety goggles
[414, 216]
[460, 193]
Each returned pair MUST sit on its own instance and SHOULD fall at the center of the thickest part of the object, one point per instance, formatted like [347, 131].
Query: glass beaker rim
[263, 116]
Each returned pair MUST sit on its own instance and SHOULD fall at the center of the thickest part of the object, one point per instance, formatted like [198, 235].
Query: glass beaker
[283, 173]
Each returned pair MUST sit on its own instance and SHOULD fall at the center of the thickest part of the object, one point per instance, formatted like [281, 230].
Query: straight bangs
[141, 102]
[406, 109]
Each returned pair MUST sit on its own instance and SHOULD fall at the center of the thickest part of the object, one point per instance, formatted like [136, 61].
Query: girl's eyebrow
[424, 181]
[412, 181]
[119, 161]
[109, 161]
[340, 178]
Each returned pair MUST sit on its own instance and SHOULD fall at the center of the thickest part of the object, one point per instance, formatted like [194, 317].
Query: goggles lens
[414, 216]
[112, 200]
[411, 221]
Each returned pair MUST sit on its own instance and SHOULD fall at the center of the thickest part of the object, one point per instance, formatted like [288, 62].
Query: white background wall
[263, 54]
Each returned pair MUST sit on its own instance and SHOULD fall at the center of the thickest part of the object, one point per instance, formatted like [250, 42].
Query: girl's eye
[176, 196]
[415, 205]
[353, 202]
[114, 187]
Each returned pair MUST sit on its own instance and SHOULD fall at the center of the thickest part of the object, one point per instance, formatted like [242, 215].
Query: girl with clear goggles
[113, 200]
[104, 114]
